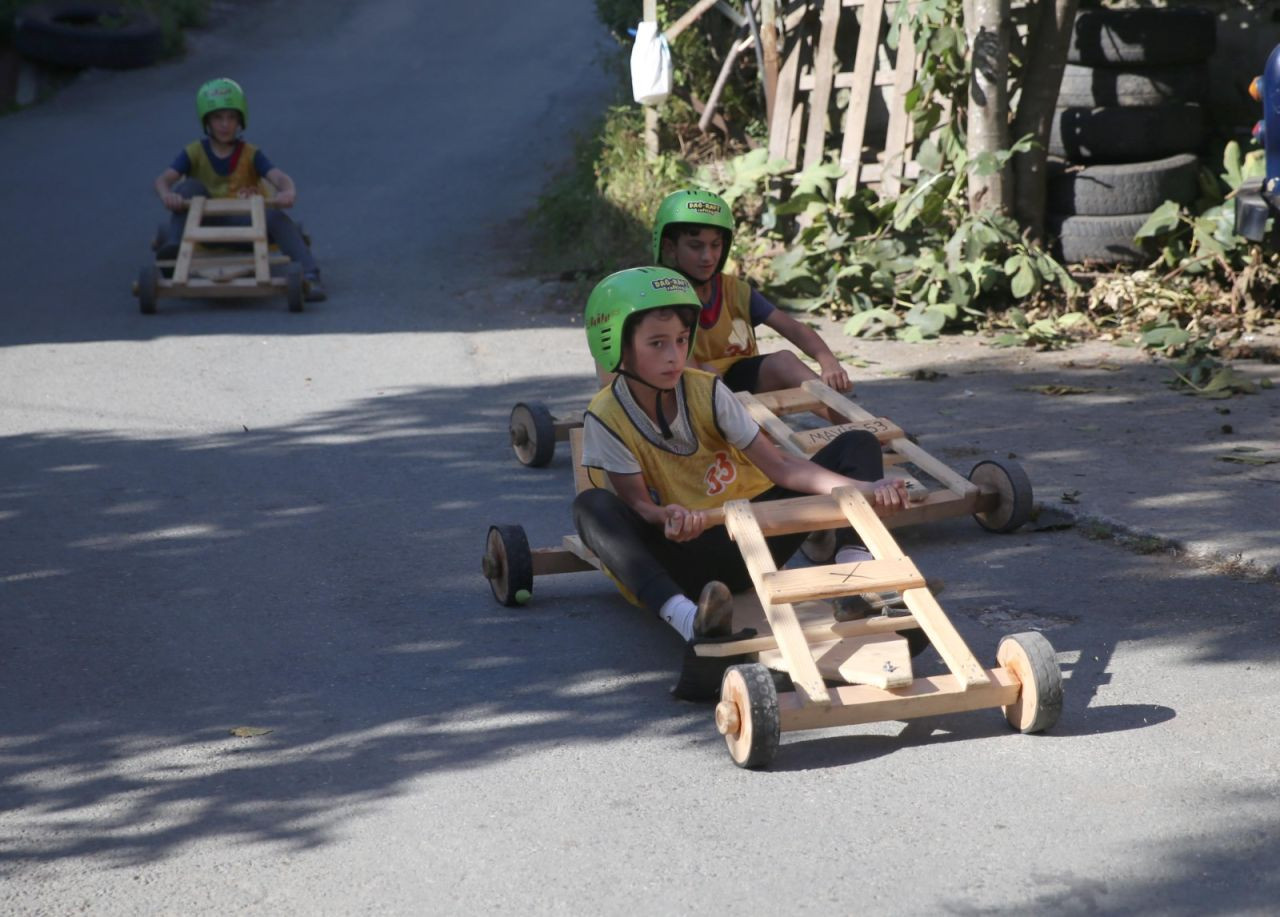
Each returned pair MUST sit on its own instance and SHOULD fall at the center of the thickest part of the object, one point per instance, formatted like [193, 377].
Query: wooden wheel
[533, 434]
[147, 289]
[747, 715]
[1030, 657]
[293, 287]
[1013, 488]
[508, 564]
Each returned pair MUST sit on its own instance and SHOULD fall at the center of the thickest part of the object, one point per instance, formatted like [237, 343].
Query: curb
[1201, 554]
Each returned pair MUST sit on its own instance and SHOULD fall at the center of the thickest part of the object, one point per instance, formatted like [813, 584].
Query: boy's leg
[652, 567]
[855, 454]
[782, 369]
[284, 233]
[188, 188]
[744, 375]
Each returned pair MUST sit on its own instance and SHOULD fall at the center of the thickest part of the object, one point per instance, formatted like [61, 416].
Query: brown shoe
[715, 611]
[869, 604]
[315, 289]
[856, 607]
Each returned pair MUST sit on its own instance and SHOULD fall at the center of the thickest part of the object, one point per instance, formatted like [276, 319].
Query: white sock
[679, 612]
[852, 554]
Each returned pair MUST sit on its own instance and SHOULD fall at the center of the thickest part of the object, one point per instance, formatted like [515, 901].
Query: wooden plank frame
[202, 274]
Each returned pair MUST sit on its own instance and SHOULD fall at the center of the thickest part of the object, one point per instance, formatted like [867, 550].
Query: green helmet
[693, 206]
[218, 94]
[626, 293]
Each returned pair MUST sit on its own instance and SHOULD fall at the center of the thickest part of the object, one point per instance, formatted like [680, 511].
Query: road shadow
[161, 592]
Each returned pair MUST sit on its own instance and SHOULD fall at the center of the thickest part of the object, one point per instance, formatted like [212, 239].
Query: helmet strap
[663, 426]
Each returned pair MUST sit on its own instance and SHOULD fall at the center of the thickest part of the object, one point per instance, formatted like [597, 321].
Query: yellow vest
[730, 337]
[714, 473]
[244, 177]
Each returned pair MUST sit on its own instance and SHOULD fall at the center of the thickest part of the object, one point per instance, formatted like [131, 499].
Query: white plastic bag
[650, 65]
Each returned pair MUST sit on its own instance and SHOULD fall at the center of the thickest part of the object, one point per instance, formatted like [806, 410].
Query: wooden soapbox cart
[997, 492]
[205, 269]
[841, 673]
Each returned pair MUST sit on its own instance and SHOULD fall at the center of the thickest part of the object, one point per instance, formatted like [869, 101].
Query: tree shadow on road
[161, 592]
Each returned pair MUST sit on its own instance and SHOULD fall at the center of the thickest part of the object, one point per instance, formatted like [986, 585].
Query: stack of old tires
[1129, 124]
[87, 33]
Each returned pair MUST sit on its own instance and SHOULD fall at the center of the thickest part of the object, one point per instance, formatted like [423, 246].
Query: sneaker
[819, 547]
[167, 251]
[315, 289]
[715, 611]
[870, 604]
[856, 607]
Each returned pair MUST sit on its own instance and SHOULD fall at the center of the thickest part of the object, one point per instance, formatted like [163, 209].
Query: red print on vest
[720, 474]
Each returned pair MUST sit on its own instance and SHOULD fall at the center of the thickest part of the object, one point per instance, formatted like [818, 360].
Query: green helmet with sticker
[218, 94]
[695, 206]
[626, 293]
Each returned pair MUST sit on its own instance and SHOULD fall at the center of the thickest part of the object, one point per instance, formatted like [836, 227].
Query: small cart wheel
[533, 434]
[1030, 657]
[747, 715]
[508, 564]
[147, 289]
[293, 287]
[1012, 486]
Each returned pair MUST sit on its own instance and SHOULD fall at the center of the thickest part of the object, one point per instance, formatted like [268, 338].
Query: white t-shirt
[601, 449]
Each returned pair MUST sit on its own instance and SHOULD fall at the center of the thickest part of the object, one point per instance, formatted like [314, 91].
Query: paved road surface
[227, 516]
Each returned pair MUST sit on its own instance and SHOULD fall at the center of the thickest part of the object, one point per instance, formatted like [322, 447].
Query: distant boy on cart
[672, 442]
[224, 164]
[692, 234]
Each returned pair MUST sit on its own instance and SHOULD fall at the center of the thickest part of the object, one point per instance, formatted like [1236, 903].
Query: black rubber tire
[508, 564]
[294, 289]
[1018, 499]
[1124, 189]
[148, 289]
[1041, 676]
[533, 434]
[1152, 37]
[1090, 87]
[87, 34]
[1104, 240]
[766, 722]
[1114, 134]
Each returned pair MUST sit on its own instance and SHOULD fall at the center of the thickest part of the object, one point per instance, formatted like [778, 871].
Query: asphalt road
[230, 516]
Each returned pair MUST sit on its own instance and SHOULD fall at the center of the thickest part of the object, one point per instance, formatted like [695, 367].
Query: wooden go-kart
[216, 261]
[840, 673]
[997, 492]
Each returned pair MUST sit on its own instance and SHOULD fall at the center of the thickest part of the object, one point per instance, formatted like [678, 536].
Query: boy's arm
[286, 192]
[164, 187]
[808, 340]
[888, 495]
[678, 523]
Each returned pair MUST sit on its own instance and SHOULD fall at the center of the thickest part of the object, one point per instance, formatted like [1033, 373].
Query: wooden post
[651, 111]
[769, 41]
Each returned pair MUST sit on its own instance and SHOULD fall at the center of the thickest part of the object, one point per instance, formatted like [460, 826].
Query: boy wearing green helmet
[692, 233]
[223, 164]
[673, 442]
